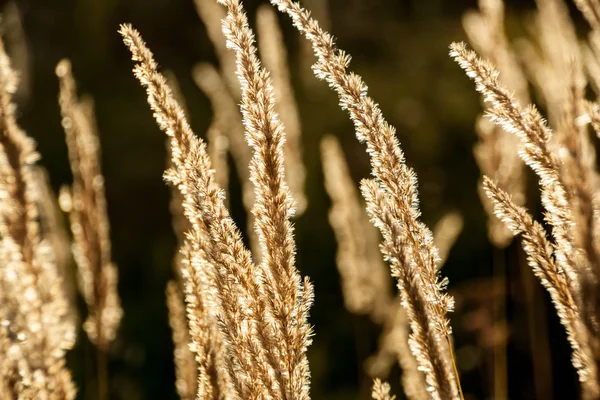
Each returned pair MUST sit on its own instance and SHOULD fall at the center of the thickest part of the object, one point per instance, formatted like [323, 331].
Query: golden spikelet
[554, 279]
[86, 204]
[197, 343]
[392, 204]
[274, 56]
[207, 343]
[577, 158]
[365, 280]
[567, 176]
[418, 287]
[393, 342]
[36, 329]
[566, 160]
[196, 361]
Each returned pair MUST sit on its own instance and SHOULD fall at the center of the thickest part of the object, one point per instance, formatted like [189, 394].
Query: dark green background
[400, 48]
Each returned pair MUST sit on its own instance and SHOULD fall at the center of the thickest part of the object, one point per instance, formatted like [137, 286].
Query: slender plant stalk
[392, 201]
[538, 335]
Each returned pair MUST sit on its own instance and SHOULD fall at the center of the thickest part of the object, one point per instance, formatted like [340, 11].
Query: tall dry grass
[240, 316]
[564, 160]
[37, 329]
[273, 294]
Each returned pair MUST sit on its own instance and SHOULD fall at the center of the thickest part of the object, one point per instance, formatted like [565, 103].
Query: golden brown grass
[239, 318]
[567, 271]
[392, 205]
[36, 329]
[271, 300]
[365, 281]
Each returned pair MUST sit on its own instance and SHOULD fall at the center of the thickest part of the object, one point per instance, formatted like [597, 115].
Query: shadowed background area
[401, 50]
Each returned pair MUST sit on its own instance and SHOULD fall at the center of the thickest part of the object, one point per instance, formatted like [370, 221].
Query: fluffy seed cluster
[392, 205]
[365, 280]
[247, 321]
